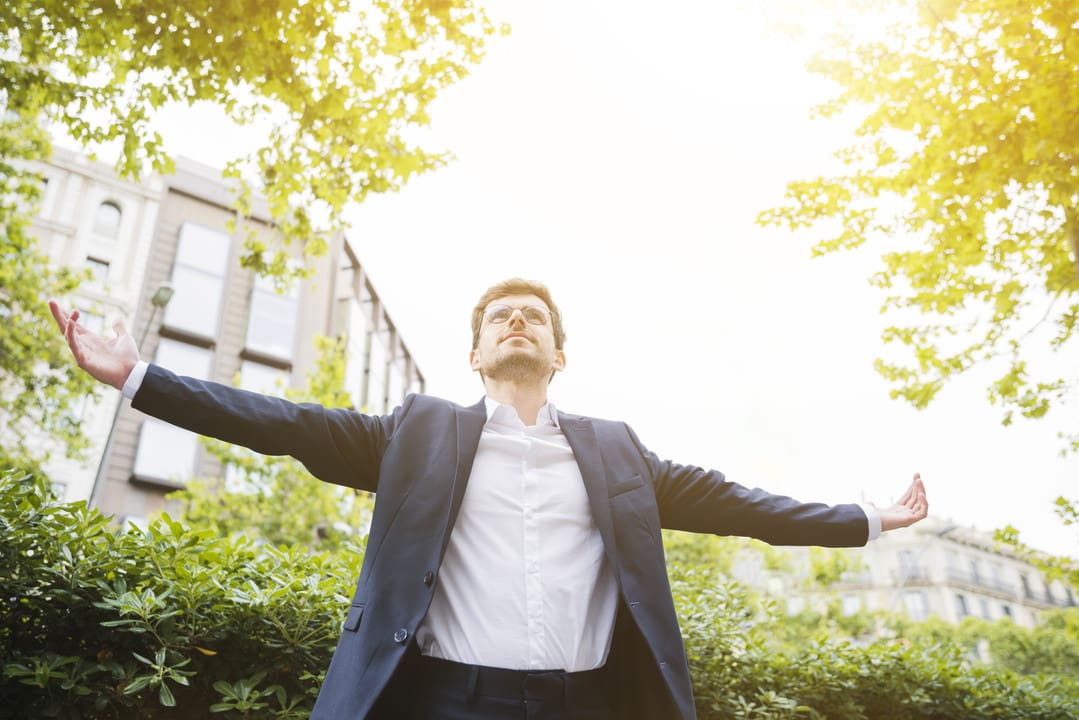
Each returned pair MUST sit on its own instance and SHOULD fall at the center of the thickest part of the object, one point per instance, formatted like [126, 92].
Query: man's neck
[526, 398]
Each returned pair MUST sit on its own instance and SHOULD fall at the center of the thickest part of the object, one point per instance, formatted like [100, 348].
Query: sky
[620, 153]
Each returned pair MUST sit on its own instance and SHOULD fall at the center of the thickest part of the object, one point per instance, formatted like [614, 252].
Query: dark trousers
[430, 689]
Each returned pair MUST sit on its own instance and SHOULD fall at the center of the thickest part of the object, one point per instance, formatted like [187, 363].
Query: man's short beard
[517, 367]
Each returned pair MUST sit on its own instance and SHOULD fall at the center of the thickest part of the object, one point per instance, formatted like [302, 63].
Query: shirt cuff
[134, 382]
[874, 520]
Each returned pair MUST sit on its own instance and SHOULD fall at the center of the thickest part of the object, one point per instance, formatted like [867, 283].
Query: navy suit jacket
[418, 460]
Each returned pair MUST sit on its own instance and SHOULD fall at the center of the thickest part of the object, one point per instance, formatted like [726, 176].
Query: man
[515, 566]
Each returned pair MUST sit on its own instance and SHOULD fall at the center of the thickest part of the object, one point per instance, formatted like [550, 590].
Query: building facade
[222, 323]
[937, 568]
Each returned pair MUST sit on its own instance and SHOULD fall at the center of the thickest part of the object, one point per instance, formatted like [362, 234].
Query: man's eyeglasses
[533, 314]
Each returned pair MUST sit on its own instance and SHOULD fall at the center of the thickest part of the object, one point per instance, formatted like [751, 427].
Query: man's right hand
[107, 360]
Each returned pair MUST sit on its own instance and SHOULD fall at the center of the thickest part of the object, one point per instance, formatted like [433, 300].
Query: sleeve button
[428, 578]
[400, 636]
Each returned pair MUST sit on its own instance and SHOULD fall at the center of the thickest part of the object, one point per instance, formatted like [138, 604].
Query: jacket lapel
[470, 422]
[582, 440]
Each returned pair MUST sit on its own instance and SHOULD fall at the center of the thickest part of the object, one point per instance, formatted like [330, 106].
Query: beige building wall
[175, 229]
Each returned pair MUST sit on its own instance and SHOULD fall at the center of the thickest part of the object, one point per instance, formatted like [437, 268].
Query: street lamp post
[159, 300]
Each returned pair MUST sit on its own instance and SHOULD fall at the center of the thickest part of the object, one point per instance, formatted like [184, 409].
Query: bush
[737, 673]
[161, 623]
[169, 622]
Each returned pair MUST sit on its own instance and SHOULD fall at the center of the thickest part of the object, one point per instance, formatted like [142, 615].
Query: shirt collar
[501, 413]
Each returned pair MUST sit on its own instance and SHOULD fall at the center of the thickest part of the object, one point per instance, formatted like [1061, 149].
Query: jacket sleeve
[335, 444]
[698, 500]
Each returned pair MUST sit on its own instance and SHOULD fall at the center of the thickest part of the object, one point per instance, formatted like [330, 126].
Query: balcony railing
[910, 575]
[980, 581]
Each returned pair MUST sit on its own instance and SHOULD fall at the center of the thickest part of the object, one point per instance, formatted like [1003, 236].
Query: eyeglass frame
[512, 309]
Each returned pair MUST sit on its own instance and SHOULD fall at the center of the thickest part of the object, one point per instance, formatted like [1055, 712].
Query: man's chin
[517, 367]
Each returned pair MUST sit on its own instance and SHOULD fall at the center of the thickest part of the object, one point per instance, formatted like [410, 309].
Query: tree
[274, 499]
[39, 394]
[967, 161]
[345, 83]
[965, 170]
[346, 87]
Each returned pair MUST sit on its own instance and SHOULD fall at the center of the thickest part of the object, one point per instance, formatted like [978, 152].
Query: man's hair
[517, 286]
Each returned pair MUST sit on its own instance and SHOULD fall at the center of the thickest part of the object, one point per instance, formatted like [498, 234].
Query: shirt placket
[534, 598]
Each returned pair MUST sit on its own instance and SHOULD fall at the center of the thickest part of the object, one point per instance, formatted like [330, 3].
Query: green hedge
[171, 623]
[162, 623]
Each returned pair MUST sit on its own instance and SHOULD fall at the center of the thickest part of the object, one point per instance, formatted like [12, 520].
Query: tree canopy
[345, 81]
[964, 170]
[345, 84]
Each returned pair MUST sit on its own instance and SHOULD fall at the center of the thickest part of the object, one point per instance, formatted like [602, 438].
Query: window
[264, 379]
[271, 328]
[259, 378]
[376, 379]
[983, 607]
[354, 323]
[198, 276]
[92, 321]
[166, 452]
[961, 608]
[107, 220]
[851, 604]
[397, 382]
[1007, 610]
[99, 273]
[916, 604]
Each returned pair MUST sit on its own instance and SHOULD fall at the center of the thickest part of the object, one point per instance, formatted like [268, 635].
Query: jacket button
[400, 636]
[428, 578]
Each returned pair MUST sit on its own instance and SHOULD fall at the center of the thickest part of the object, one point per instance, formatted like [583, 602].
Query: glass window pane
[165, 452]
[396, 384]
[355, 321]
[203, 248]
[196, 304]
[107, 220]
[376, 379]
[99, 272]
[272, 326]
[183, 359]
[264, 379]
[92, 321]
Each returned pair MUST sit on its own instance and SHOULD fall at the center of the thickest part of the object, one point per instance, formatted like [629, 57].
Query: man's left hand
[911, 508]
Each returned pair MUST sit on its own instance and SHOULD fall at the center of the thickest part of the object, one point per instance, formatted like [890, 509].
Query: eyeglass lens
[498, 314]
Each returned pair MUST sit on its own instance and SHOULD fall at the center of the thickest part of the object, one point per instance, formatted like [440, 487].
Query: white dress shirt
[524, 583]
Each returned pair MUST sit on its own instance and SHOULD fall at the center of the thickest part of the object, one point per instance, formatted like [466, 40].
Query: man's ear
[474, 359]
[559, 360]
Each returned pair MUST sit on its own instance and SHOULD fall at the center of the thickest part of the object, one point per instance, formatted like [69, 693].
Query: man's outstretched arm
[337, 445]
[107, 360]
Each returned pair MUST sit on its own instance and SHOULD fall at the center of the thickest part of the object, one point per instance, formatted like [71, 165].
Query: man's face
[517, 350]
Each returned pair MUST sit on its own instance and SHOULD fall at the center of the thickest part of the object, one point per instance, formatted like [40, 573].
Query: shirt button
[400, 636]
[428, 578]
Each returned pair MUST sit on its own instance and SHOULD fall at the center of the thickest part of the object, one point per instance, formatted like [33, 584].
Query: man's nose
[517, 318]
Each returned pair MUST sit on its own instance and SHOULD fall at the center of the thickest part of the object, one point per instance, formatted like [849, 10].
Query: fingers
[73, 338]
[58, 315]
[907, 495]
[119, 328]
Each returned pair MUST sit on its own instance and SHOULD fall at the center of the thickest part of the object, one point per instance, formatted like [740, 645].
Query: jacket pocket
[355, 615]
[619, 486]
